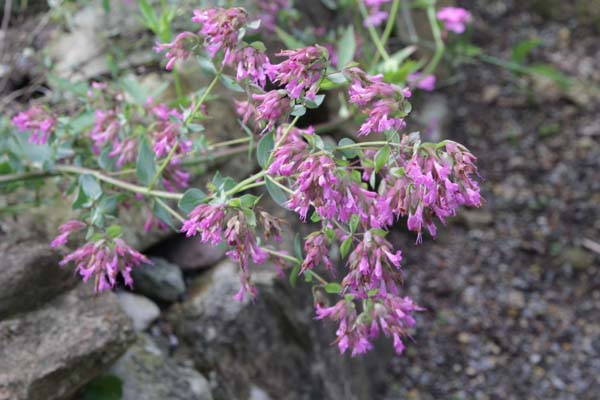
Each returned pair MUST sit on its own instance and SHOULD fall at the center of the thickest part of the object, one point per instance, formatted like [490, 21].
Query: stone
[161, 280]
[578, 258]
[30, 276]
[272, 343]
[52, 352]
[190, 254]
[141, 310]
[148, 374]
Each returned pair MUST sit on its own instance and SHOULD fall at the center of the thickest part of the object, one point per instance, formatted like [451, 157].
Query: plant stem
[374, 37]
[281, 139]
[388, 28]
[229, 142]
[204, 96]
[437, 38]
[170, 210]
[163, 166]
[71, 169]
[242, 185]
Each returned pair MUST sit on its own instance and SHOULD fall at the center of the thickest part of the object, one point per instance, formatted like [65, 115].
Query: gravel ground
[512, 291]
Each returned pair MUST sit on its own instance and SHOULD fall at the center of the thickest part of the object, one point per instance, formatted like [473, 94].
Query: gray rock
[191, 255]
[30, 276]
[50, 353]
[147, 374]
[141, 310]
[161, 280]
[271, 343]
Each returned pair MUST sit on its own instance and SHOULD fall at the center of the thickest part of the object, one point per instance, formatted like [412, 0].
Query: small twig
[591, 245]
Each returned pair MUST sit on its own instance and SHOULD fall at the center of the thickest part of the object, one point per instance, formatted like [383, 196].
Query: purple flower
[454, 18]
[178, 49]
[125, 150]
[316, 250]
[376, 15]
[106, 127]
[252, 64]
[273, 105]
[426, 83]
[220, 28]
[66, 230]
[269, 10]
[301, 72]
[105, 261]
[380, 100]
[291, 153]
[37, 120]
[208, 220]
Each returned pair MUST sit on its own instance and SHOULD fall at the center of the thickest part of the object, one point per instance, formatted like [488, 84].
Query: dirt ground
[512, 291]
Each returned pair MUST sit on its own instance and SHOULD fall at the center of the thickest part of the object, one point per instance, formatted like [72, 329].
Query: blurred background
[511, 290]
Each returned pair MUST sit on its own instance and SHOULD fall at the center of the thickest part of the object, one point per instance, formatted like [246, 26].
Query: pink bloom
[426, 83]
[125, 151]
[65, 231]
[220, 28]
[316, 252]
[38, 121]
[105, 262]
[106, 127]
[178, 49]
[252, 64]
[376, 15]
[273, 105]
[454, 18]
[208, 220]
[301, 72]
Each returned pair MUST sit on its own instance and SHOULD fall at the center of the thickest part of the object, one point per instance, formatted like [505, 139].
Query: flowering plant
[136, 151]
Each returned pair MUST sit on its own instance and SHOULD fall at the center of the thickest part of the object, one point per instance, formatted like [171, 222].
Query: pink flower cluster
[220, 28]
[178, 49]
[37, 120]
[455, 19]
[390, 314]
[301, 72]
[216, 222]
[380, 100]
[376, 14]
[104, 259]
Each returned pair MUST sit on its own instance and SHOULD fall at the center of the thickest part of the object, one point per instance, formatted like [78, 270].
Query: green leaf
[133, 88]
[264, 148]
[354, 220]
[337, 78]
[161, 213]
[287, 39]
[145, 166]
[149, 16]
[231, 83]
[346, 47]
[522, 49]
[381, 157]
[254, 24]
[298, 247]
[113, 231]
[191, 198]
[348, 153]
[107, 387]
[250, 217]
[276, 193]
[345, 246]
[552, 73]
[308, 276]
[82, 201]
[333, 288]
[248, 200]
[298, 111]
[315, 217]
[316, 103]
[294, 275]
[90, 186]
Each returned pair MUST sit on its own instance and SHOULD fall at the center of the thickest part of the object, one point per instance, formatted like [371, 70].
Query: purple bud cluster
[38, 121]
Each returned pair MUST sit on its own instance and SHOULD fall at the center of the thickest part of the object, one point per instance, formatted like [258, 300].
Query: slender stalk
[204, 96]
[163, 166]
[177, 81]
[437, 38]
[71, 169]
[229, 142]
[388, 28]
[281, 139]
[283, 187]
[170, 210]
[243, 184]
[374, 37]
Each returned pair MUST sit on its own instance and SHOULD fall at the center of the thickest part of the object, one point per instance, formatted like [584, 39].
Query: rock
[578, 258]
[141, 310]
[147, 374]
[160, 280]
[272, 343]
[50, 353]
[190, 254]
[30, 276]
[516, 299]
[476, 218]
